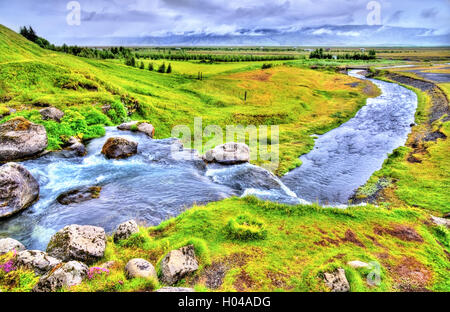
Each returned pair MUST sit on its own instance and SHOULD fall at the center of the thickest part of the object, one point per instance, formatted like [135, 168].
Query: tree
[169, 69]
[150, 66]
[130, 61]
[142, 66]
[162, 68]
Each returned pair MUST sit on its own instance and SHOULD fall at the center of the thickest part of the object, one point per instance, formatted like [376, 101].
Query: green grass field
[291, 246]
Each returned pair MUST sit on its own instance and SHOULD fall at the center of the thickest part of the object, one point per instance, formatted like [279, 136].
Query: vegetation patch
[245, 227]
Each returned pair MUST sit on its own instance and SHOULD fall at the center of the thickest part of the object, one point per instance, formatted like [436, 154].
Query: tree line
[319, 54]
[131, 61]
[214, 57]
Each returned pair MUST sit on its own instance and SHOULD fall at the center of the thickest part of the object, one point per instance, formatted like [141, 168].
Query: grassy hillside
[302, 101]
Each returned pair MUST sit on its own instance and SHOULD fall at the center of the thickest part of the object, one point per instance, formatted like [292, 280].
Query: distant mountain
[327, 35]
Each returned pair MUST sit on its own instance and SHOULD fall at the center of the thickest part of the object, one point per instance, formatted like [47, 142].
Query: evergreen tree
[142, 66]
[162, 68]
[169, 69]
[150, 66]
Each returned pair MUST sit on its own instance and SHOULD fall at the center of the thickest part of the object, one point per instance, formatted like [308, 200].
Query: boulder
[117, 148]
[337, 281]
[440, 221]
[140, 268]
[143, 127]
[20, 138]
[79, 196]
[356, 264]
[125, 230]
[84, 243]
[175, 289]
[229, 153]
[70, 274]
[38, 261]
[18, 189]
[9, 244]
[178, 263]
[51, 113]
[77, 146]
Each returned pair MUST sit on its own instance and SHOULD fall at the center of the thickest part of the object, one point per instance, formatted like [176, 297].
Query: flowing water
[164, 179]
[344, 158]
[159, 182]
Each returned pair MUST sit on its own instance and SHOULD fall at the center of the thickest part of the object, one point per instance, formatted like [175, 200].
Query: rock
[38, 261]
[356, 264]
[107, 265]
[175, 289]
[18, 189]
[20, 138]
[337, 281]
[117, 148]
[440, 221]
[9, 244]
[178, 263]
[125, 230]
[52, 113]
[228, 153]
[126, 126]
[140, 268]
[70, 274]
[143, 127]
[77, 146]
[106, 108]
[146, 128]
[79, 196]
[84, 243]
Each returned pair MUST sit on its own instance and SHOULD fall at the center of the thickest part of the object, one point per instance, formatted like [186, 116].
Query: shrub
[266, 66]
[245, 227]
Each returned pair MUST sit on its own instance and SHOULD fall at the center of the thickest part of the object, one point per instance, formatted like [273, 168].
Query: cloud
[322, 31]
[429, 13]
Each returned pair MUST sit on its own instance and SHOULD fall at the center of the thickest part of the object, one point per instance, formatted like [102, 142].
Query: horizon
[199, 23]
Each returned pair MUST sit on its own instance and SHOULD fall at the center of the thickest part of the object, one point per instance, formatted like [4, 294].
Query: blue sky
[135, 18]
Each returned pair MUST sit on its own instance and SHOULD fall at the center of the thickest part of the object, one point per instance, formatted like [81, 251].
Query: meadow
[288, 248]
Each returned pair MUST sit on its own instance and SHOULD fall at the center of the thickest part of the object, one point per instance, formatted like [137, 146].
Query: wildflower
[94, 271]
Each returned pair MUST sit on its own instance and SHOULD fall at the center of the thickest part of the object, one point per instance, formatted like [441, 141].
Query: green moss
[245, 227]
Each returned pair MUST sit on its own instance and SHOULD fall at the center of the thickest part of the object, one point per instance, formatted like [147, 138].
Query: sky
[139, 18]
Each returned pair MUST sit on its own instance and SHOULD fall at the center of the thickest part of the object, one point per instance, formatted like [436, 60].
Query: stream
[164, 179]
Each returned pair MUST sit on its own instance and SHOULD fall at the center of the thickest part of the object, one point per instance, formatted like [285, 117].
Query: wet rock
[38, 261]
[175, 289]
[178, 263]
[440, 221]
[118, 148]
[140, 268]
[79, 196]
[356, 264]
[18, 189]
[143, 127]
[337, 281]
[77, 147]
[9, 244]
[228, 153]
[84, 243]
[125, 230]
[20, 138]
[70, 274]
[52, 113]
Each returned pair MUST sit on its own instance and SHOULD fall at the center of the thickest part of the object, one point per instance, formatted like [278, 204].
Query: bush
[266, 66]
[245, 227]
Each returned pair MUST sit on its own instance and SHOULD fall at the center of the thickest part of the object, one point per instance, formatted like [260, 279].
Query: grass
[300, 244]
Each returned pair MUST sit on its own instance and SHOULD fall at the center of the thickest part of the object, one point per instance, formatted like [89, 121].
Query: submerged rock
[228, 153]
[178, 263]
[79, 196]
[140, 268]
[84, 243]
[51, 113]
[18, 189]
[20, 138]
[38, 261]
[337, 281]
[70, 274]
[125, 230]
[117, 148]
[9, 244]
